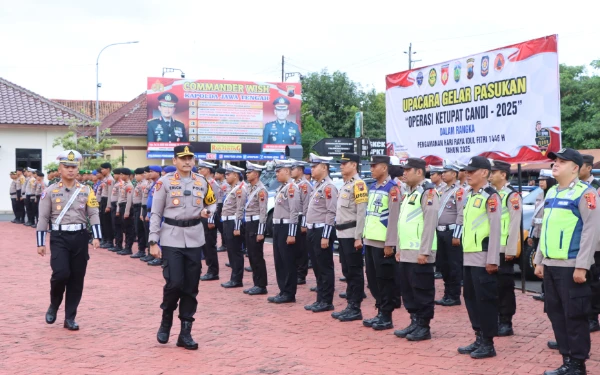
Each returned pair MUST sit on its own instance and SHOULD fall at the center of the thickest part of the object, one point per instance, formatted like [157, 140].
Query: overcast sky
[50, 47]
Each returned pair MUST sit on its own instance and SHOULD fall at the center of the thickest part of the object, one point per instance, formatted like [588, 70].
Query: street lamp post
[98, 87]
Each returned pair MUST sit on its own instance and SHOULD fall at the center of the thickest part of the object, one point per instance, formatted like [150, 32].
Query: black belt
[13, 193]
[349, 225]
[123, 204]
[103, 198]
[143, 205]
[137, 205]
[182, 223]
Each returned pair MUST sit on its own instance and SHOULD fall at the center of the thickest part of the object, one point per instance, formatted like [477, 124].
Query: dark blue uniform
[281, 133]
[160, 130]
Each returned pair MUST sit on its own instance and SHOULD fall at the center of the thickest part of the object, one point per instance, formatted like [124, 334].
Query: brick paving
[238, 334]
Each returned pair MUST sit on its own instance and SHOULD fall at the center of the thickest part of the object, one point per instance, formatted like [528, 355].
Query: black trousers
[127, 229]
[481, 299]
[140, 228]
[284, 256]
[381, 276]
[20, 205]
[146, 223]
[36, 207]
[68, 259]
[15, 209]
[568, 307]
[210, 248]
[29, 209]
[181, 270]
[418, 289]
[219, 223]
[116, 223]
[595, 286]
[449, 261]
[351, 260]
[234, 251]
[106, 221]
[507, 303]
[301, 252]
[324, 272]
[256, 254]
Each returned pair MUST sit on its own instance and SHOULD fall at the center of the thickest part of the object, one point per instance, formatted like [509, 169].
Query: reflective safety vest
[505, 221]
[562, 223]
[410, 226]
[476, 225]
[376, 221]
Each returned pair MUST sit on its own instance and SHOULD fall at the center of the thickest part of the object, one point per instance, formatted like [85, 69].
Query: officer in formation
[512, 210]
[568, 239]
[450, 219]
[20, 186]
[285, 227]
[209, 249]
[281, 131]
[13, 196]
[30, 187]
[435, 175]
[232, 217]
[138, 222]
[179, 200]
[115, 192]
[106, 185]
[224, 189]
[305, 190]
[65, 208]
[255, 198]
[154, 175]
[585, 173]
[320, 221]
[125, 214]
[165, 128]
[351, 211]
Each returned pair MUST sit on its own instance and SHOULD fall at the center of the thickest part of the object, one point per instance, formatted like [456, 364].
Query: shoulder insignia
[328, 192]
[492, 203]
[459, 194]
[430, 195]
[262, 195]
[291, 191]
[590, 199]
[394, 193]
[514, 201]
[304, 188]
[157, 186]
[360, 193]
[239, 193]
[129, 189]
[360, 185]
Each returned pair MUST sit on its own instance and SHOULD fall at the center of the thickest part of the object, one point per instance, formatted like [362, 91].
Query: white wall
[13, 138]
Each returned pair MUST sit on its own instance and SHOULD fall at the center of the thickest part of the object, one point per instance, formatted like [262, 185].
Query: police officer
[255, 199]
[380, 237]
[66, 207]
[585, 173]
[232, 216]
[21, 196]
[481, 247]
[305, 191]
[569, 237]
[154, 176]
[281, 131]
[138, 223]
[29, 201]
[13, 196]
[320, 221]
[350, 222]
[179, 200]
[114, 209]
[435, 175]
[106, 187]
[209, 249]
[285, 224]
[125, 213]
[512, 210]
[449, 251]
[223, 190]
[165, 128]
[40, 186]
[416, 250]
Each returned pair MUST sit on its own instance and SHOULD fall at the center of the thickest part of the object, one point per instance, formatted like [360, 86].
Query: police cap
[167, 99]
[567, 154]
[281, 103]
[478, 162]
[181, 151]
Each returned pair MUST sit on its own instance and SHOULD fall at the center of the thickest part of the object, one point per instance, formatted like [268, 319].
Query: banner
[223, 120]
[503, 104]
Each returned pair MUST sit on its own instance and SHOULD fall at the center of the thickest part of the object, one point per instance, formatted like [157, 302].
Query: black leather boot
[405, 331]
[472, 347]
[421, 333]
[562, 370]
[337, 314]
[505, 326]
[594, 325]
[352, 314]
[485, 350]
[385, 322]
[185, 337]
[164, 331]
[51, 314]
[577, 367]
[370, 322]
[552, 345]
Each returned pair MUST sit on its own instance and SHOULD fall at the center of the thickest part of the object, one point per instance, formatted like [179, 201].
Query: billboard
[223, 120]
[503, 104]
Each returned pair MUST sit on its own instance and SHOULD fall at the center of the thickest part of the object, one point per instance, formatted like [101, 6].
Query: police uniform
[177, 205]
[40, 186]
[380, 232]
[21, 196]
[155, 262]
[232, 217]
[223, 191]
[140, 232]
[512, 210]
[12, 191]
[351, 210]
[114, 208]
[106, 186]
[125, 204]
[210, 234]
[163, 130]
[305, 190]
[481, 247]
[30, 199]
[417, 225]
[65, 211]
[450, 257]
[285, 225]
[281, 132]
[255, 199]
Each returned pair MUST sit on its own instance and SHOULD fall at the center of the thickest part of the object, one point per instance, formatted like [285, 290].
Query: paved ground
[238, 334]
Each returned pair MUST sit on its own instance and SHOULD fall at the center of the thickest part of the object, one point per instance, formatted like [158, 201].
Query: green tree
[312, 132]
[373, 107]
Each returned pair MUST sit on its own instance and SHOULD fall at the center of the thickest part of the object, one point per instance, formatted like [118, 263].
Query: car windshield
[532, 197]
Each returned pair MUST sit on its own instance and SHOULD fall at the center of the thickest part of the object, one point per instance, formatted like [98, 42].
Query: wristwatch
[151, 243]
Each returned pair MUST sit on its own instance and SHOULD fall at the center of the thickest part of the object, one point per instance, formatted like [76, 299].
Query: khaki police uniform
[107, 185]
[114, 208]
[12, 191]
[232, 217]
[210, 247]
[305, 191]
[125, 204]
[138, 224]
[255, 199]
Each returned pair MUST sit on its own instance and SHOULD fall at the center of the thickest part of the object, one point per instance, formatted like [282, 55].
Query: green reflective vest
[410, 226]
[476, 225]
[505, 221]
[378, 212]
[562, 223]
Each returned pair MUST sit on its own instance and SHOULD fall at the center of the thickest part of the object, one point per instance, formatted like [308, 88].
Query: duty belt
[137, 205]
[123, 204]
[226, 218]
[281, 221]
[349, 225]
[182, 223]
[252, 218]
[443, 228]
[315, 226]
[68, 227]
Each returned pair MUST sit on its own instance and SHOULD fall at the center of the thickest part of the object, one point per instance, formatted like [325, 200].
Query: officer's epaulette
[490, 190]
[428, 185]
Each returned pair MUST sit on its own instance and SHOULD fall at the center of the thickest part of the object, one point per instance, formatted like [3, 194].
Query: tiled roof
[23, 107]
[88, 107]
[130, 119]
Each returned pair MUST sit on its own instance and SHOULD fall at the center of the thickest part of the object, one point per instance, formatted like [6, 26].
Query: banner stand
[523, 260]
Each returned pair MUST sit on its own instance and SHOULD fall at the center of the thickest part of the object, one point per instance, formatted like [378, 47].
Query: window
[28, 157]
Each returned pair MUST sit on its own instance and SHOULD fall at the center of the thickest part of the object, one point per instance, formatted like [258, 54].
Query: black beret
[147, 169]
[117, 171]
[139, 171]
[106, 165]
[126, 171]
[220, 170]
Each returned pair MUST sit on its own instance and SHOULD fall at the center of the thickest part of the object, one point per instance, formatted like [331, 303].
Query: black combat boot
[562, 370]
[385, 322]
[405, 331]
[577, 367]
[421, 333]
[486, 349]
[185, 337]
[337, 314]
[164, 331]
[594, 325]
[353, 313]
[370, 322]
[472, 347]
[505, 326]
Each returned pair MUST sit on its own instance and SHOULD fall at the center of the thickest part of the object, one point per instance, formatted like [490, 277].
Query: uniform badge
[412, 199]
[176, 201]
[198, 183]
[59, 207]
[477, 202]
[430, 194]
[239, 193]
[304, 188]
[360, 185]
[198, 201]
[459, 194]
[57, 200]
[515, 202]
[43, 195]
[199, 193]
[394, 194]
[157, 186]
[590, 199]
[492, 204]
[291, 191]
[174, 182]
[328, 192]
[262, 196]
[55, 190]
[344, 196]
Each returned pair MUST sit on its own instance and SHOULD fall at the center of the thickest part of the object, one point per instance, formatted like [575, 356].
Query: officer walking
[569, 237]
[165, 128]
[512, 210]
[13, 196]
[281, 131]
[481, 247]
[320, 221]
[105, 206]
[380, 238]
[350, 222]
[210, 229]
[254, 198]
[285, 223]
[449, 251]
[66, 206]
[232, 216]
[179, 200]
[138, 222]
[416, 250]
[305, 191]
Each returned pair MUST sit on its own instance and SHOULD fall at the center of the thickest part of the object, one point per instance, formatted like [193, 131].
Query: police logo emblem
[485, 65]
[457, 68]
[445, 73]
[186, 149]
[71, 156]
[168, 97]
[420, 78]
[470, 68]
[499, 62]
[432, 77]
